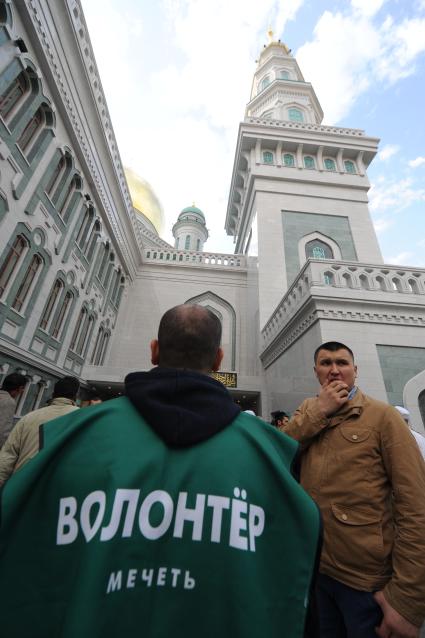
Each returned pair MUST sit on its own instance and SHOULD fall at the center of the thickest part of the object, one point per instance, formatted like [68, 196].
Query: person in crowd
[279, 418]
[363, 468]
[24, 441]
[420, 439]
[88, 398]
[12, 387]
[159, 511]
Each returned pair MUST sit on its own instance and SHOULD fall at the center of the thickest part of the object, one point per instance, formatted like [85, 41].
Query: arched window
[92, 240]
[97, 346]
[319, 252]
[198, 244]
[59, 321]
[317, 249]
[264, 83]
[54, 295]
[78, 328]
[54, 179]
[33, 126]
[349, 166]
[64, 207]
[267, 115]
[284, 75]
[177, 243]
[295, 115]
[309, 162]
[267, 157]
[187, 242]
[13, 95]
[330, 164]
[10, 263]
[29, 277]
[288, 159]
[103, 263]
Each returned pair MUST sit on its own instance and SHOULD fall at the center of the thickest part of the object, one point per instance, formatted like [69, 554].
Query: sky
[177, 76]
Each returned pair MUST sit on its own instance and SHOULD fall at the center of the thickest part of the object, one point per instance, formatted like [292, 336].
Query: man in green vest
[164, 512]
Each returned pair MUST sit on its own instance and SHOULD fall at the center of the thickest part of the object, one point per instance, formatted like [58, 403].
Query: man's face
[335, 366]
[282, 421]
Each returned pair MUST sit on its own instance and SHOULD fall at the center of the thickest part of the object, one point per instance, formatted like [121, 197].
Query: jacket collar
[353, 408]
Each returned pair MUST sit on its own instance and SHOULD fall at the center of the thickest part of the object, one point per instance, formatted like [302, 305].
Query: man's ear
[155, 352]
[315, 372]
[217, 361]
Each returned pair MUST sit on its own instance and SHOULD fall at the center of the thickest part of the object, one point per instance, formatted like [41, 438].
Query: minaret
[279, 91]
[190, 231]
[299, 188]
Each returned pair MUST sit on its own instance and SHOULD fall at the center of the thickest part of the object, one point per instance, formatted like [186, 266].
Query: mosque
[85, 275]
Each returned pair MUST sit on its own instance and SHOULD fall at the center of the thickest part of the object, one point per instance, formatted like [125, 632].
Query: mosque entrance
[247, 400]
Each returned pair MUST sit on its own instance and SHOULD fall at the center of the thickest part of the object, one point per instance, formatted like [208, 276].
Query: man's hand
[393, 624]
[332, 396]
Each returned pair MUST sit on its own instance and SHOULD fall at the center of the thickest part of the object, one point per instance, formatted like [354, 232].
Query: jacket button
[344, 517]
[354, 437]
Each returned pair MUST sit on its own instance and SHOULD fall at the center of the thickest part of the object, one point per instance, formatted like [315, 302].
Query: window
[198, 244]
[29, 277]
[317, 249]
[264, 83]
[309, 162]
[288, 159]
[295, 115]
[349, 166]
[101, 271]
[11, 262]
[30, 130]
[284, 75]
[78, 326]
[54, 178]
[13, 94]
[57, 326]
[318, 252]
[187, 242]
[57, 287]
[177, 243]
[268, 157]
[330, 165]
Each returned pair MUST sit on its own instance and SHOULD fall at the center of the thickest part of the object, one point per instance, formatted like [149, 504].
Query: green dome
[192, 209]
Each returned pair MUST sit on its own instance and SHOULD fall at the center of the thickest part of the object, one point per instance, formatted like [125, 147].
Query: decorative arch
[321, 237]
[210, 300]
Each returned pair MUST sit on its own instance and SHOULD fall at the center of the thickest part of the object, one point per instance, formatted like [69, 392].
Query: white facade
[307, 266]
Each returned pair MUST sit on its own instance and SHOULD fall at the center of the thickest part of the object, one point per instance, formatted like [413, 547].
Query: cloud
[394, 195]
[389, 55]
[367, 7]
[382, 224]
[388, 151]
[402, 258]
[417, 162]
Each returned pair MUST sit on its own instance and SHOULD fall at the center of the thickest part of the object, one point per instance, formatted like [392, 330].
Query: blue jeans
[345, 612]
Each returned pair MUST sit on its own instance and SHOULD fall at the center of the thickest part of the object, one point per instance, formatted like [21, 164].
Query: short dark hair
[278, 414]
[67, 387]
[189, 337]
[332, 346]
[14, 381]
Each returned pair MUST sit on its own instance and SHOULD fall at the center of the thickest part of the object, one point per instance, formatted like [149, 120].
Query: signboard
[229, 379]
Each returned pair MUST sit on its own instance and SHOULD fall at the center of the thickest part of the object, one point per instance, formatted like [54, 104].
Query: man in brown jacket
[363, 468]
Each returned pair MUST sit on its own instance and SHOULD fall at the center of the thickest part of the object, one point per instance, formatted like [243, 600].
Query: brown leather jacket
[364, 469]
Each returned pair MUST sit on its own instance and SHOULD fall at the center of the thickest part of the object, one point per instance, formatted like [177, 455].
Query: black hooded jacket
[183, 407]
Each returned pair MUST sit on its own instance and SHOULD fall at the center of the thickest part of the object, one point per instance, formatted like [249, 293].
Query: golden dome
[144, 199]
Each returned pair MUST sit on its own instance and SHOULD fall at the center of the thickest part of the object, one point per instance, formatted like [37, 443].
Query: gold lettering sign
[229, 379]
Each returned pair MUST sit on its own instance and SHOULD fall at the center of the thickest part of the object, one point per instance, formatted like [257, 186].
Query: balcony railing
[192, 258]
[352, 280]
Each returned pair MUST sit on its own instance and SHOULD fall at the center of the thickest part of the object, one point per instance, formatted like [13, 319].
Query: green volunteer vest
[109, 533]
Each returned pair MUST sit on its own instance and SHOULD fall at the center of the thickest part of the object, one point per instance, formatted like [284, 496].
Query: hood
[181, 406]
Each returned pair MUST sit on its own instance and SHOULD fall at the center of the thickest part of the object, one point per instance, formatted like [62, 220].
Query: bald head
[189, 337]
